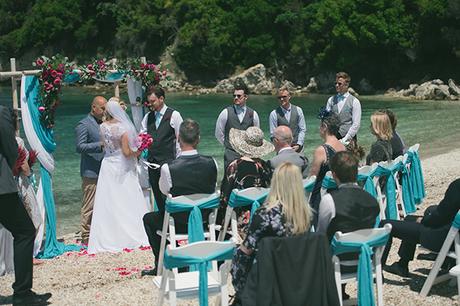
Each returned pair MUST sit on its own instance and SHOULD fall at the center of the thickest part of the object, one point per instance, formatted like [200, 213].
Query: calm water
[433, 124]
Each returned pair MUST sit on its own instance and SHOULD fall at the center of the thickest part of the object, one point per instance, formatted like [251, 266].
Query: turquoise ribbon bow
[177, 261]
[391, 211]
[239, 200]
[406, 185]
[416, 176]
[368, 183]
[365, 279]
[309, 187]
[456, 222]
[328, 182]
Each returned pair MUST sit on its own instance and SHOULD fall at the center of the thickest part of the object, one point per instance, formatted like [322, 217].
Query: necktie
[157, 119]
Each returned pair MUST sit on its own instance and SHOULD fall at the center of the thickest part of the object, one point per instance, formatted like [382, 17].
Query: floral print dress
[265, 223]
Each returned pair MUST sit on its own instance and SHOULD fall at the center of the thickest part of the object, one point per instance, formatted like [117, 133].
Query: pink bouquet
[145, 141]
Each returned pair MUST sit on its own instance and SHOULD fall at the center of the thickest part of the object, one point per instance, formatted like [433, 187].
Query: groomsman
[162, 123]
[89, 144]
[237, 116]
[289, 115]
[179, 177]
[14, 217]
[347, 107]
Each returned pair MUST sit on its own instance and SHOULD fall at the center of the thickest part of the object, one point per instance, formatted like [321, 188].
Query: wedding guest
[328, 129]
[89, 144]
[381, 149]
[287, 114]
[179, 177]
[250, 170]
[430, 230]
[14, 217]
[284, 213]
[397, 143]
[237, 116]
[347, 107]
[282, 139]
[162, 123]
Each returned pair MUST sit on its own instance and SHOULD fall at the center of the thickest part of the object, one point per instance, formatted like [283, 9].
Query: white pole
[116, 84]
[143, 60]
[14, 84]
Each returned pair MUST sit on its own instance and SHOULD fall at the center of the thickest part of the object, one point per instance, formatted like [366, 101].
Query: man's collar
[98, 121]
[241, 108]
[347, 185]
[285, 149]
[287, 109]
[163, 109]
[188, 153]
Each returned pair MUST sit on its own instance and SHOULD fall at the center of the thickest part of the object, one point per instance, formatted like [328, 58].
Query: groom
[162, 123]
[14, 217]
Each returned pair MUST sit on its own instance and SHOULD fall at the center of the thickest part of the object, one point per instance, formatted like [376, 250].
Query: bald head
[98, 106]
[282, 137]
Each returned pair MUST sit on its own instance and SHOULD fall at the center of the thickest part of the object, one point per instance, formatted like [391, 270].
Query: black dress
[380, 151]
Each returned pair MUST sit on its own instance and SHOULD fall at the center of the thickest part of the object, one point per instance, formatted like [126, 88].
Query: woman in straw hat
[285, 213]
[249, 170]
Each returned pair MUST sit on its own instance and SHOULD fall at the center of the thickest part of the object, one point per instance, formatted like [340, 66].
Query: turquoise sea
[433, 124]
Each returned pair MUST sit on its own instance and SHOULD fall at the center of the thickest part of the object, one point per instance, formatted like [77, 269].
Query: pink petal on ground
[120, 269]
[124, 273]
[145, 248]
[127, 250]
[148, 267]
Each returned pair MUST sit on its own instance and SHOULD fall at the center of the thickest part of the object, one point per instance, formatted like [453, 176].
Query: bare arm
[319, 156]
[126, 149]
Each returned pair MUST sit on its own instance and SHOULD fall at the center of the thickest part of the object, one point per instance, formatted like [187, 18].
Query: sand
[114, 279]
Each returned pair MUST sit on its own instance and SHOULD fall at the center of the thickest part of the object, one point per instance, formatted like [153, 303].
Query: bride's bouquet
[145, 141]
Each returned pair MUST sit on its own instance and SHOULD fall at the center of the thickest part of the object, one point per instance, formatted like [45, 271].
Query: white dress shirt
[356, 113]
[175, 122]
[273, 122]
[222, 121]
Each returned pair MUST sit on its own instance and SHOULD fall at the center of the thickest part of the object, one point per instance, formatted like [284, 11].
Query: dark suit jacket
[88, 144]
[8, 151]
[290, 155]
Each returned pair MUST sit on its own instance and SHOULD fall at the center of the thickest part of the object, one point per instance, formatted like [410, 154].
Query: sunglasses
[237, 96]
[339, 84]
[283, 97]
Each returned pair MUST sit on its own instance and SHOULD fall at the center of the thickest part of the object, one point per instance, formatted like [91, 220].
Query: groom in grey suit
[91, 148]
[282, 139]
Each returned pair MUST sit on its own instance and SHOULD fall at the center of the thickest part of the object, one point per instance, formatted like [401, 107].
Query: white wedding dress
[119, 203]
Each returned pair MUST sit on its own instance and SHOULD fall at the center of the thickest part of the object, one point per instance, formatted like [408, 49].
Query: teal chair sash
[365, 279]
[328, 182]
[195, 219]
[409, 202]
[237, 199]
[456, 222]
[176, 261]
[416, 176]
[368, 183]
[309, 186]
[391, 211]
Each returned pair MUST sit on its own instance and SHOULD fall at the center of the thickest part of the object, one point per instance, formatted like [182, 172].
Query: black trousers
[14, 217]
[154, 179]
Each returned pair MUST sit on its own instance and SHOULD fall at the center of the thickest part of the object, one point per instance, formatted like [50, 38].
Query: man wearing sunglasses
[291, 116]
[237, 116]
[347, 107]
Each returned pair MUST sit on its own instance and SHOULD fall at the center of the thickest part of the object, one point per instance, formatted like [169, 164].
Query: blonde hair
[287, 189]
[381, 125]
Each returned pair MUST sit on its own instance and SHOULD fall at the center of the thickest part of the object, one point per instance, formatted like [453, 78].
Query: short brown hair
[345, 166]
[157, 90]
[343, 75]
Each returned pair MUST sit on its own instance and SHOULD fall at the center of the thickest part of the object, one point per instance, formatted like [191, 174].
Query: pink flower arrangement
[97, 69]
[145, 141]
[147, 73]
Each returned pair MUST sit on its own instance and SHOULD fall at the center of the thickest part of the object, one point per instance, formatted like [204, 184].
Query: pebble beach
[77, 278]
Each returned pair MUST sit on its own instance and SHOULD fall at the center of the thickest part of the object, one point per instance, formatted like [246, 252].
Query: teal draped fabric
[456, 222]
[52, 247]
[365, 279]
[416, 176]
[309, 187]
[391, 210]
[368, 184]
[114, 76]
[71, 78]
[239, 200]
[175, 261]
[406, 186]
[195, 219]
[328, 182]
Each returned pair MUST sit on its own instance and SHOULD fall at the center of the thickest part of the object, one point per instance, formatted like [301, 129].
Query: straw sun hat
[250, 142]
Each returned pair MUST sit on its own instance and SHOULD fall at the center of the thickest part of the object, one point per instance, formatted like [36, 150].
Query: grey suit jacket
[8, 151]
[88, 144]
[289, 155]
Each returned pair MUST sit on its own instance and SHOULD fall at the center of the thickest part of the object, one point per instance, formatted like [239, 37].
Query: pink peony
[90, 67]
[152, 66]
[41, 108]
[39, 62]
[57, 81]
[53, 73]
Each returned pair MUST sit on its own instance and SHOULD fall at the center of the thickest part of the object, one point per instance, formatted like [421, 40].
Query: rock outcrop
[254, 77]
[431, 90]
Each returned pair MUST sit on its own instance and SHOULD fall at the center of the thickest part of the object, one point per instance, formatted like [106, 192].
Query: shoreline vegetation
[114, 279]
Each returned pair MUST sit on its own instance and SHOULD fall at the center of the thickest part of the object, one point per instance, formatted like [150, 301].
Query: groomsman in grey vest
[289, 115]
[347, 107]
[89, 144]
[282, 139]
[238, 116]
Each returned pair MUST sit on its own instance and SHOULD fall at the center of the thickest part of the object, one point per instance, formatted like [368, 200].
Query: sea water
[433, 124]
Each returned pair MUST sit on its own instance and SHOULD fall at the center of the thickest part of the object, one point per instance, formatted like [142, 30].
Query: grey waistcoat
[293, 123]
[345, 115]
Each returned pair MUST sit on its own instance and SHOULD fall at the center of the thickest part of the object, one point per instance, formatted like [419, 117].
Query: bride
[119, 204]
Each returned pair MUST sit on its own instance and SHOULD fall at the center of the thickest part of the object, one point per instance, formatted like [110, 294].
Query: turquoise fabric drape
[391, 211]
[71, 78]
[328, 182]
[239, 200]
[365, 279]
[195, 219]
[368, 183]
[174, 261]
[416, 176]
[53, 247]
[456, 222]
[309, 187]
[406, 186]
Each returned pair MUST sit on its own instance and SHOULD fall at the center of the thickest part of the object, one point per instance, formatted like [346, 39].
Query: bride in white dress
[119, 204]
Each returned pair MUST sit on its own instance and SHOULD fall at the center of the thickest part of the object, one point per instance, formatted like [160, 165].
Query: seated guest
[179, 177]
[348, 208]
[282, 139]
[323, 154]
[381, 149]
[397, 144]
[430, 230]
[249, 170]
[284, 213]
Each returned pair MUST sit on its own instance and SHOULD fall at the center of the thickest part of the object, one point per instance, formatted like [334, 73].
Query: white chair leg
[172, 289]
[338, 278]
[435, 269]
[223, 279]
[379, 284]
[223, 231]
[164, 233]
[164, 279]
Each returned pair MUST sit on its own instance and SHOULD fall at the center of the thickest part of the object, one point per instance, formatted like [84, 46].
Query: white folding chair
[240, 198]
[169, 230]
[187, 285]
[451, 238]
[361, 236]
